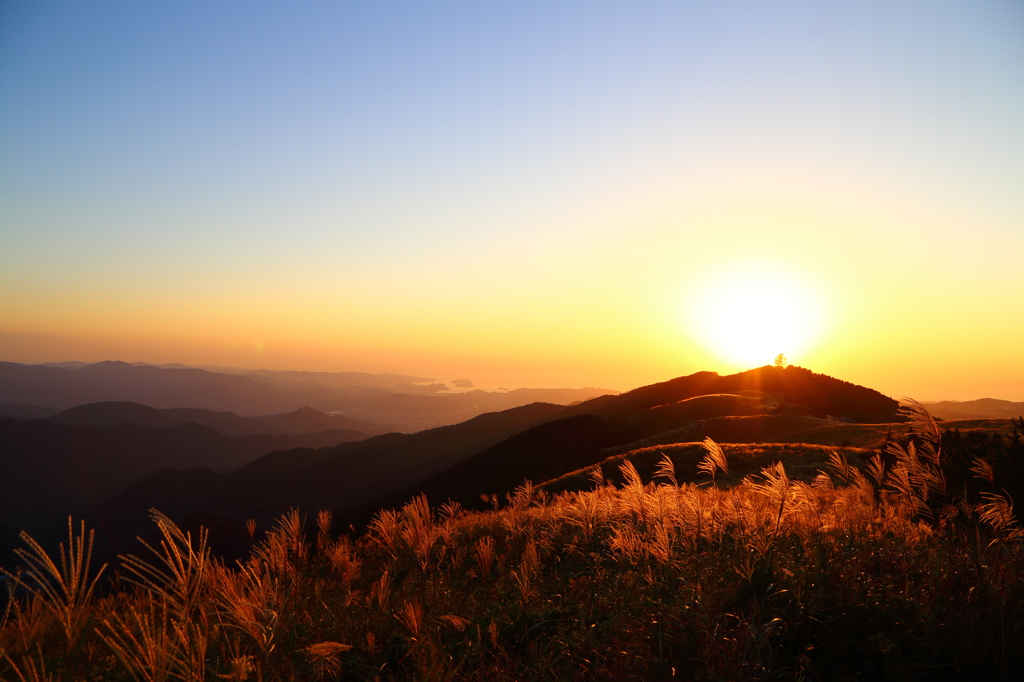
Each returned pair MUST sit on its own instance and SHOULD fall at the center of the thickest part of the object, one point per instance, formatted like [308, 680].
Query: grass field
[840, 565]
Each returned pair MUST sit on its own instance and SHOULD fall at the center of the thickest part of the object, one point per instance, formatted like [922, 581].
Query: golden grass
[861, 569]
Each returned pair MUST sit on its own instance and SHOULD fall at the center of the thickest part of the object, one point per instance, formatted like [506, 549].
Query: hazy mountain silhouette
[348, 379]
[27, 411]
[64, 387]
[402, 406]
[427, 411]
[303, 420]
[985, 408]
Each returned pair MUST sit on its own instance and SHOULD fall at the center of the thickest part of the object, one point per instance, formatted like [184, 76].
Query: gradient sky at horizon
[524, 194]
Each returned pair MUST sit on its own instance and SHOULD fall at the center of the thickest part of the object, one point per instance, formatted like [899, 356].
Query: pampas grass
[852, 572]
[64, 590]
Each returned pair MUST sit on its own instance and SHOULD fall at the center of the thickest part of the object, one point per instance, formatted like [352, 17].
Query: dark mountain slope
[50, 470]
[345, 476]
[556, 447]
[541, 453]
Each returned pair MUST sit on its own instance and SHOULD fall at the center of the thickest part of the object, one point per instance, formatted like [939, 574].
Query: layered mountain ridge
[401, 403]
[487, 455]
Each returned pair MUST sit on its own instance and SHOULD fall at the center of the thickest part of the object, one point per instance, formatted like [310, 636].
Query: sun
[747, 314]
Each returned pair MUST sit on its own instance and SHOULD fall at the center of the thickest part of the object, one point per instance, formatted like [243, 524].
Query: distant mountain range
[985, 408]
[302, 420]
[403, 403]
[79, 433]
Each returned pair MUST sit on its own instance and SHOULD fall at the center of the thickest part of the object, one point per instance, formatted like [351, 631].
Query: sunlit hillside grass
[867, 569]
[803, 462]
[804, 429]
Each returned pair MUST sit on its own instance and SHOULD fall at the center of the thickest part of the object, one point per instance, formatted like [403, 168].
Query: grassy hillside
[803, 463]
[550, 450]
[849, 573]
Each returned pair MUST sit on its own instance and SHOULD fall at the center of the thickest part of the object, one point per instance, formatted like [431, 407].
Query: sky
[519, 193]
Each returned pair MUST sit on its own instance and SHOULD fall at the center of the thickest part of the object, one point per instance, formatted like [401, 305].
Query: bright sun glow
[747, 315]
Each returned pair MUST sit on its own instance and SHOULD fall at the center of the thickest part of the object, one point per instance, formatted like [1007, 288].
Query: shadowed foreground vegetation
[882, 571]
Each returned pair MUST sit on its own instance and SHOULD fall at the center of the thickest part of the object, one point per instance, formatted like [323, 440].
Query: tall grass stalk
[65, 590]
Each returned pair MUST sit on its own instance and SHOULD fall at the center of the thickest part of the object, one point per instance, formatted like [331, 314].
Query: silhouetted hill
[554, 448]
[540, 453]
[117, 413]
[774, 405]
[816, 394]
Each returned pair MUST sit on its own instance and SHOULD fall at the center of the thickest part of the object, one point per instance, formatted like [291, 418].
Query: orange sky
[522, 196]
